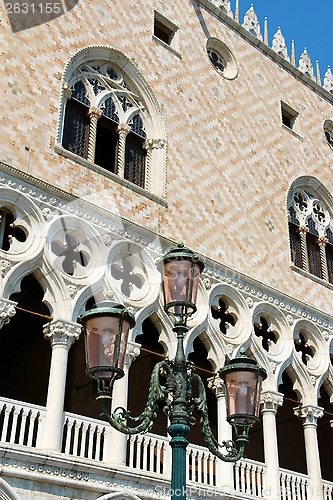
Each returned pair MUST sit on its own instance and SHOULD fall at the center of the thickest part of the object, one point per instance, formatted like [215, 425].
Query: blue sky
[307, 22]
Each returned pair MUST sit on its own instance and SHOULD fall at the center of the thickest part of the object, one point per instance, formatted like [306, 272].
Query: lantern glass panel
[243, 389]
[106, 346]
[180, 281]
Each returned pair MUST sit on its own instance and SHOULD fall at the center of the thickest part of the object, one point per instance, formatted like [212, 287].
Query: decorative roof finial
[318, 73]
[279, 45]
[305, 65]
[251, 23]
[328, 80]
[237, 11]
[266, 32]
[293, 56]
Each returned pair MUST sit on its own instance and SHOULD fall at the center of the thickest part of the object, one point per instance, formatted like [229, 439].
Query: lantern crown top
[182, 253]
[242, 363]
[108, 308]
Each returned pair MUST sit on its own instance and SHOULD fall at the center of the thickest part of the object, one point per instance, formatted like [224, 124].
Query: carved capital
[132, 352]
[309, 414]
[303, 230]
[123, 129]
[216, 384]
[95, 113]
[270, 401]
[62, 333]
[7, 311]
[154, 144]
[66, 90]
[322, 241]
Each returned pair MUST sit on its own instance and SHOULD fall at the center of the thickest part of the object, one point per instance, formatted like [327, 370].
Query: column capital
[7, 311]
[123, 129]
[309, 414]
[132, 352]
[303, 230]
[322, 241]
[154, 144]
[270, 401]
[95, 112]
[66, 90]
[216, 384]
[62, 333]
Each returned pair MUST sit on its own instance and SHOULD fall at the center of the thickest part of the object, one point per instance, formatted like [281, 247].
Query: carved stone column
[123, 131]
[94, 114]
[303, 230]
[61, 334]
[117, 452]
[7, 311]
[322, 242]
[224, 470]
[150, 145]
[309, 416]
[270, 401]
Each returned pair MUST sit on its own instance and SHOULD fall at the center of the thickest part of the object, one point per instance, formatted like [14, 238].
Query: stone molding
[62, 333]
[7, 311]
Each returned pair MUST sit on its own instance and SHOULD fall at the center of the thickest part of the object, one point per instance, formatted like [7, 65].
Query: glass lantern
[106, 329]
[180, 273]
[243, 379]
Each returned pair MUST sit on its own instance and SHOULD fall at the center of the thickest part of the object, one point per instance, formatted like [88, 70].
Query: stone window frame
[230, 70]
[150, 112]
[173, 43]
[288, 113]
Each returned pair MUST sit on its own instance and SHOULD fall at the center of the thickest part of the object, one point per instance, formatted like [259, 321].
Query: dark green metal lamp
[170, 391]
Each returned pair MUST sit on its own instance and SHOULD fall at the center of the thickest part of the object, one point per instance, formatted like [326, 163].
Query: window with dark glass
[135, 154]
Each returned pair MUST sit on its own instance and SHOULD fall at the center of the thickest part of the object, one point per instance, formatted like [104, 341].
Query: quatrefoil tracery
[265, 330]
[71, 252]
[223, 313]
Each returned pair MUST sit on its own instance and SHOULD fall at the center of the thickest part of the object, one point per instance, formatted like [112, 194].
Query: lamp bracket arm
[157, 396]
[235, 451]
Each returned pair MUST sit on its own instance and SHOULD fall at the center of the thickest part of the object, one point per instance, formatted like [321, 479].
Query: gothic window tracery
[104, 121]
[311, 242]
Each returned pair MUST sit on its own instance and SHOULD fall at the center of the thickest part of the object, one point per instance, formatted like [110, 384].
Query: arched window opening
[311, 242]
[205, 371]
[106, 153]
[290, 457]
[140, 371]
[135, 154]
[76, 122]
[324, 432]
[24, 353]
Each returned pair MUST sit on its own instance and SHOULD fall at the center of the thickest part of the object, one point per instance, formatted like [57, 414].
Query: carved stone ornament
[67, 91]
[107, 238]
[279, 45]
[62, 333]
[249, 302]
[7, 311]
[305, 65]
[309, 414]
[216, 384]
[290, 319]
[207, 283]
[154, 144]
[224, 5]
[271, 400]
[72, 289]
[48, 214]
[4, 267]
[132, 352]
[328, 80]
[251, 23]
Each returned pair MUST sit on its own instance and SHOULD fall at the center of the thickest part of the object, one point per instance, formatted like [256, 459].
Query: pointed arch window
[311, 236]
[111, 119]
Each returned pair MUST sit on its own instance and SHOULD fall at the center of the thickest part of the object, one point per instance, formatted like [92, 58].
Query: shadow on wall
[25, 14]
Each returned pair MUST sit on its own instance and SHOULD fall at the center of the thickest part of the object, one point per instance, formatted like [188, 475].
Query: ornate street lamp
[170, 390]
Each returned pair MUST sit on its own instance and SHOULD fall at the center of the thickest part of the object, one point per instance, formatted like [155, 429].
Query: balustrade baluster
[145, 444]
[131, 440]
[68, 424]
[24, 416]
[5, 423]
[237, 476]
[15, 412]
[99, 449]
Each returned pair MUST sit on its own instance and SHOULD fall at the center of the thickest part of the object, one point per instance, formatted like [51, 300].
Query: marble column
[224, 470]
[7, 311]
[309, 415]
[61, 334]
[117, 453]
[303, 230]
[94, 114]
[322, 242]
[123, 131]
[270, 401]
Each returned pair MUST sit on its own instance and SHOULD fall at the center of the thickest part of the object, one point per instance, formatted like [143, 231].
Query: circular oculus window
[328, 131]
[221, 58]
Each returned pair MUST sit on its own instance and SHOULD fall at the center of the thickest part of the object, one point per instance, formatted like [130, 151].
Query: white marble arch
[7, 492]
[119, 495]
